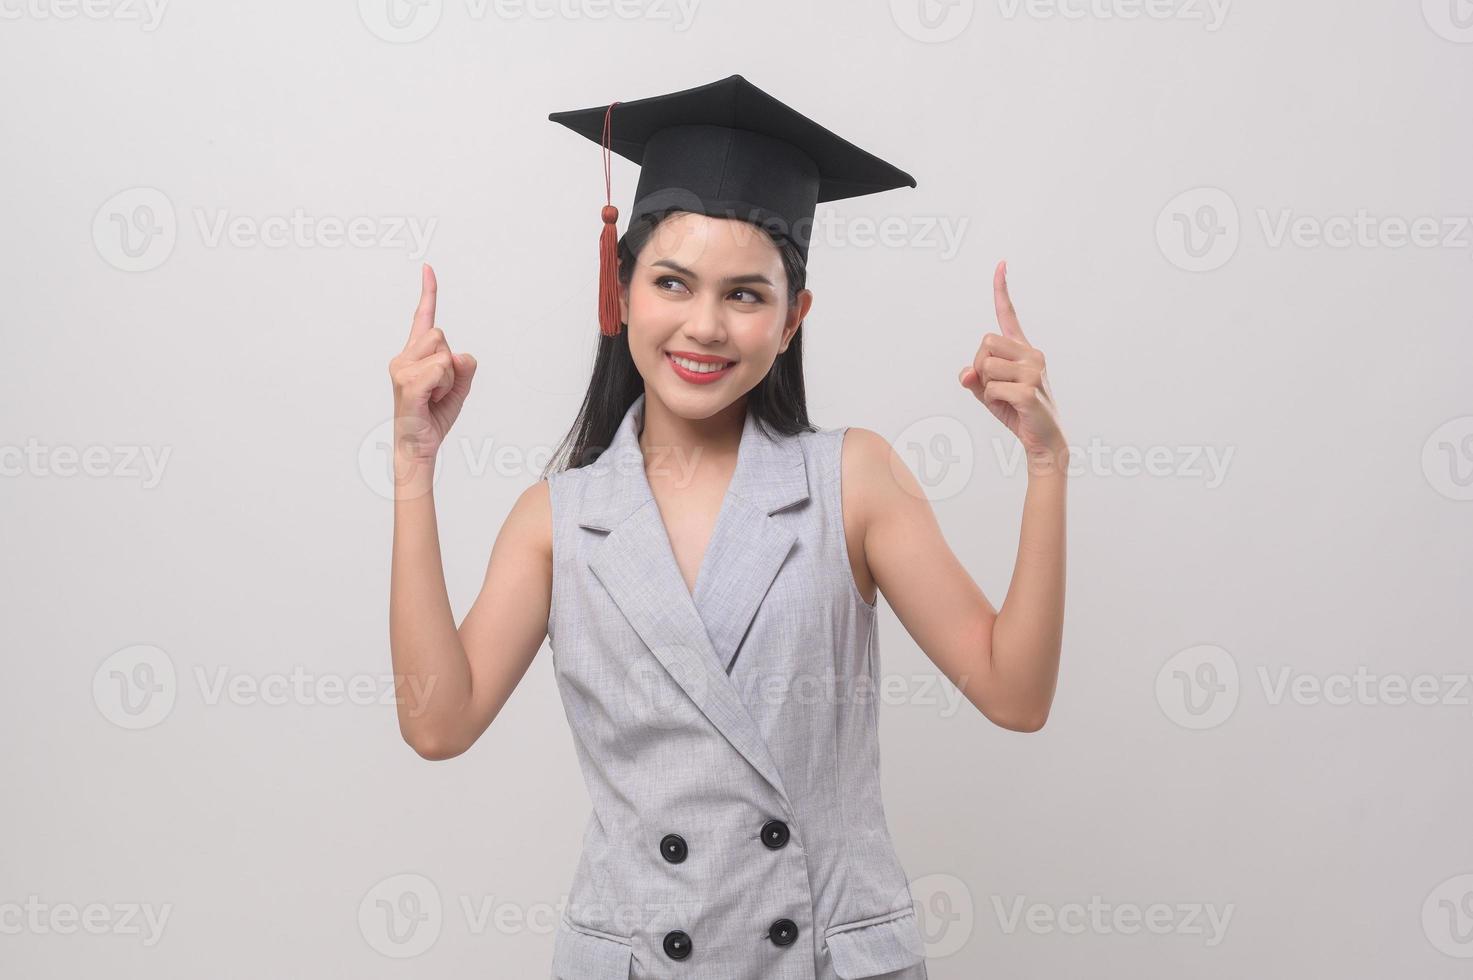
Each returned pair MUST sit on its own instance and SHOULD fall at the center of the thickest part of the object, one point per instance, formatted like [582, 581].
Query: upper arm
[901, 548]
[508, 621]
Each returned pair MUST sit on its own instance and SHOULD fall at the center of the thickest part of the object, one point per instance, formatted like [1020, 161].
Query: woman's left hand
[1007, 375]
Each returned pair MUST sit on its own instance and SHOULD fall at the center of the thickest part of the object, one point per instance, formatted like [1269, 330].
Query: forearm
[431, 671]
[1028, 634]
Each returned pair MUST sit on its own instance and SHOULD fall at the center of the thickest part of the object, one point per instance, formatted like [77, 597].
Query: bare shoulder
[529, 525]
[884, 505]
[865, 465]
[873, 473]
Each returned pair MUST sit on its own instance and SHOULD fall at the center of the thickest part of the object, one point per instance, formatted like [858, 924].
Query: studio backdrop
[1240, 230]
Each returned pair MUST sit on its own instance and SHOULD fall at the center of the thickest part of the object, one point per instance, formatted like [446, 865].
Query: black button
[672, 847]
[677, 945]
[774, 834]
[783, 932]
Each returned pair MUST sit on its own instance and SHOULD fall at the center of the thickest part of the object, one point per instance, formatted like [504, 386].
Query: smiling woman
[767, 283]
[737, 824]
[682, 303]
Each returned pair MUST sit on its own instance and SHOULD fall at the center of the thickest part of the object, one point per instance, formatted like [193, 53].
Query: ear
[623, 303]
[796, 312]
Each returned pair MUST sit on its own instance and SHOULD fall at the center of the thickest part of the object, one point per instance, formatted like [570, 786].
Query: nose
[707, 323]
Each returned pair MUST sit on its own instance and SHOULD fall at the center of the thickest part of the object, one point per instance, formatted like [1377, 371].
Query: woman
[708, 591]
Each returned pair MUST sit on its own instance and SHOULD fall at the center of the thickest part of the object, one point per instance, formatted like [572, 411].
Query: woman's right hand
[430, 383]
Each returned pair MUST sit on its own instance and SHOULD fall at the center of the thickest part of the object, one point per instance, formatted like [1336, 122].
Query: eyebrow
[728, 281]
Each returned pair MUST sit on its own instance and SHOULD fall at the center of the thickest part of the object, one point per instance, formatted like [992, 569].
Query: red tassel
[608, 246]
[608, 274]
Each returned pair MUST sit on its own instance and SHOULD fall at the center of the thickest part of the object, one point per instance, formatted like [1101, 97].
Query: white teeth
[698, 366]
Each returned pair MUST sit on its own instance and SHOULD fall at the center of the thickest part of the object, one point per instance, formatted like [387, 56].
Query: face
[707, 312]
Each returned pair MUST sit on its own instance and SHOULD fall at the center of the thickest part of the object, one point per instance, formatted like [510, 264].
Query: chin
[690, 402]
[694, 405]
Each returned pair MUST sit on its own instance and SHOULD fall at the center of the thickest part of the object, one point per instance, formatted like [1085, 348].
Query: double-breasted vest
[727, 737]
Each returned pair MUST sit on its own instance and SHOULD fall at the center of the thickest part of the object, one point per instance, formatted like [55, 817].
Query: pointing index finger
[1007, 317]
[424, 314]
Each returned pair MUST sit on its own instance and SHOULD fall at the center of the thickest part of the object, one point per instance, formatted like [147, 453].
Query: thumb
[465, 369]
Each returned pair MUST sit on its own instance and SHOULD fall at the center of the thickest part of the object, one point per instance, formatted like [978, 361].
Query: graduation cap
[726, 149]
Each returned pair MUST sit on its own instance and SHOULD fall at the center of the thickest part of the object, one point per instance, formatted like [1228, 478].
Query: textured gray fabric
[708, 715]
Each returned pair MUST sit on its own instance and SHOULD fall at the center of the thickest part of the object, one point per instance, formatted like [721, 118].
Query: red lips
[698, 377]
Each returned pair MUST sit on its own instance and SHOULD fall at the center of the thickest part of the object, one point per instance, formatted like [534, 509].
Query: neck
[673, 446]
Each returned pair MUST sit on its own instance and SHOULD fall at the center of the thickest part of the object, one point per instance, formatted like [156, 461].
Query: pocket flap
[580, 955]
[876, 945]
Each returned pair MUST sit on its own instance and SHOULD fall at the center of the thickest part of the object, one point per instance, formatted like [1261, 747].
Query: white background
[1328, 377]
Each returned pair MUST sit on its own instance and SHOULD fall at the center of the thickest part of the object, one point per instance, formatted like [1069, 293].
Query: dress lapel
[747, 546]
[695, 637]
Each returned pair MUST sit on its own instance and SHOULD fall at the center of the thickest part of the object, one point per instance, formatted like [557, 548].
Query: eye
[756, 297]
[660, 280]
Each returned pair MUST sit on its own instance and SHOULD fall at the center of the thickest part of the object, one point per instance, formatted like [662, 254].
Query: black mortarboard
[727, 149]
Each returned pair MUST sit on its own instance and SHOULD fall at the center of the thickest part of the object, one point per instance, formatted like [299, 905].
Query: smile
[699, 370]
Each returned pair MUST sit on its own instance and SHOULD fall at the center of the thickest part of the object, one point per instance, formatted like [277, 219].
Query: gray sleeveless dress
[728, 738]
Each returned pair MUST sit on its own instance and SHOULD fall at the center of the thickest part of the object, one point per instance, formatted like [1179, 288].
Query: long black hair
[777, 401]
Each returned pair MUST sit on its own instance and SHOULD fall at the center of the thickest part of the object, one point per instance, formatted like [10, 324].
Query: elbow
[1019, 721]
[1028, 723]
[433, 746]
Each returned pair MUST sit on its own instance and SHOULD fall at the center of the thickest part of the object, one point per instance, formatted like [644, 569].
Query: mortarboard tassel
[608, 256]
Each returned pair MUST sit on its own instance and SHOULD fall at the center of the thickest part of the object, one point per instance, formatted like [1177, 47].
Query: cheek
[649, 324]
[647, 305]
[757, 336]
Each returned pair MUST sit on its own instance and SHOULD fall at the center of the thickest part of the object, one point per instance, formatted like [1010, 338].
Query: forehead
[698, 242]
